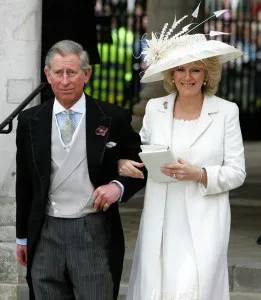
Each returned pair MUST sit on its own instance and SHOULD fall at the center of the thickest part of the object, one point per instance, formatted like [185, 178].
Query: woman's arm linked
[216, 178]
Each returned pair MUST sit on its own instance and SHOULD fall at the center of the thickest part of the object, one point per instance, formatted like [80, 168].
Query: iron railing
[241, 78]
[9, 120]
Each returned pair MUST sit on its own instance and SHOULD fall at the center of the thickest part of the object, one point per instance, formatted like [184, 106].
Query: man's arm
[122, 188]
[23, 192]
[21, 254]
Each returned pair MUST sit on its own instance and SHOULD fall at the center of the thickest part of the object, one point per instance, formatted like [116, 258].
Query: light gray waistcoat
[70, 186]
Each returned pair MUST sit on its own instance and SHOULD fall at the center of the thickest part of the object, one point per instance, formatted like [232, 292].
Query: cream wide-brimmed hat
[169, 51]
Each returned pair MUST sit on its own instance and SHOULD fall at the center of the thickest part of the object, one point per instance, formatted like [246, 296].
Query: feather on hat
[166, 51]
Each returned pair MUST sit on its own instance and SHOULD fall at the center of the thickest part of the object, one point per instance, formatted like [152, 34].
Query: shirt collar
[79, 106]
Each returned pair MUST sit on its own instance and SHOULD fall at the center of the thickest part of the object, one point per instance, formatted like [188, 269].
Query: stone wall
[20, 41]
[20, 25]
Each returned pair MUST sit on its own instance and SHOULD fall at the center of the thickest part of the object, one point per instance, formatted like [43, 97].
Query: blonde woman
[181, 251]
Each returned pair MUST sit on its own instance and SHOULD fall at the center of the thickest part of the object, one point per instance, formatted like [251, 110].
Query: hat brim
[203, 50]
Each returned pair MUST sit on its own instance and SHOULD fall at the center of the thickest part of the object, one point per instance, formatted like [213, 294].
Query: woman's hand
[129, 168]
[182, 170]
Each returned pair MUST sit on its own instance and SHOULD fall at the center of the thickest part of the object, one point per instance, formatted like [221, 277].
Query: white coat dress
[217, 146]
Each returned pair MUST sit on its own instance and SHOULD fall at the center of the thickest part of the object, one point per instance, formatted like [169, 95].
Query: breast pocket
[112, 154]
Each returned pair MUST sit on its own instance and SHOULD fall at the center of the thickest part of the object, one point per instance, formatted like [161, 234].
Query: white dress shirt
[77, 114]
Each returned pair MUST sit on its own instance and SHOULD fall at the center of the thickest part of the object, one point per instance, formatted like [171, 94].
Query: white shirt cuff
[122, 188]
[22, 242]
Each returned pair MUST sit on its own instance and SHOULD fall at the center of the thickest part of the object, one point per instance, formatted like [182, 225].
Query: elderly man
[69, 232]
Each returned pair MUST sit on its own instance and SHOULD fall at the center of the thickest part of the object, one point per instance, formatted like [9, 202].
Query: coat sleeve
[145, 132]
[129, 148]
[231, 174]
[23, 181]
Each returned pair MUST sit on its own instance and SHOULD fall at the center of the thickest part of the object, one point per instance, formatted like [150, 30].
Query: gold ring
[106, 206]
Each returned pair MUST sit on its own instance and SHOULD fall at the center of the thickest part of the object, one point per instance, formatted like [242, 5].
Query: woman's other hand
[129, 168]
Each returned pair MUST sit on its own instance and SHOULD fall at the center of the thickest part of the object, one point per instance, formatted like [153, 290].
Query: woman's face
[189, 79]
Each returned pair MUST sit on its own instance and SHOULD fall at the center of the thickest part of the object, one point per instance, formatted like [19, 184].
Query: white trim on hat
[167, 50]
[190, 52]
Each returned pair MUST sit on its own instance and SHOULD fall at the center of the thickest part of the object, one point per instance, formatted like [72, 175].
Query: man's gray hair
[67, 47]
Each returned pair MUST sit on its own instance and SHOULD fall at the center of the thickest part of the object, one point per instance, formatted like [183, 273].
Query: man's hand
[21, 254]
[105, 195]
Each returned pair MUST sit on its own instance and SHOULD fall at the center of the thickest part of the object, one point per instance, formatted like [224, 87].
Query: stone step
[23, 294]
[7, 211]
[244, 296]
[233, 296]
[10, 271]
[244, 258]
[241, 278]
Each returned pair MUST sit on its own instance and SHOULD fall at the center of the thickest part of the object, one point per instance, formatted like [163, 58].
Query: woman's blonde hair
[212, 69]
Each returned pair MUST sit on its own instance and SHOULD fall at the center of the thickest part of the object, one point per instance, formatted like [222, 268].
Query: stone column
[160, 12]
[20, 41]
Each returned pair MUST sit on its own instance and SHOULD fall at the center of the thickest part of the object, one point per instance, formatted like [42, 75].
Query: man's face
[67, 78]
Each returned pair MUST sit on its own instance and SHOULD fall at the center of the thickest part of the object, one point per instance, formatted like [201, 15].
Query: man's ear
[47, 74]
[87, 74]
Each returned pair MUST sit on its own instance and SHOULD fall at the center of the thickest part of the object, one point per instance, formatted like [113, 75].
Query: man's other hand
[105, 195]
[21, 254]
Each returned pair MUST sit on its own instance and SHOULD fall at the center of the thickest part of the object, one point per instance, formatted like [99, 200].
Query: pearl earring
[204, 83]
[173, 81]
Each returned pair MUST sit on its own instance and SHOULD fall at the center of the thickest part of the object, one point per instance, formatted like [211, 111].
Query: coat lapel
[165, 120]
[40, 127]
[209, 107]
[95, 140]
[58, 153]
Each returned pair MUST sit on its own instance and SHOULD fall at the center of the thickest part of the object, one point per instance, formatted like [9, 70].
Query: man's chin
[69, 92]
[68, 98]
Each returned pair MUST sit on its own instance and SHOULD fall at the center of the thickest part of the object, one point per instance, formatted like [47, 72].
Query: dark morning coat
[34, 167]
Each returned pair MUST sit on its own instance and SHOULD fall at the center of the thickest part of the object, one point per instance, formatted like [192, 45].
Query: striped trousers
[71, 260]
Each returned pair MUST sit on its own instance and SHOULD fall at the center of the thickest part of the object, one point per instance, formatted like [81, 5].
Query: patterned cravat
[68, 127]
